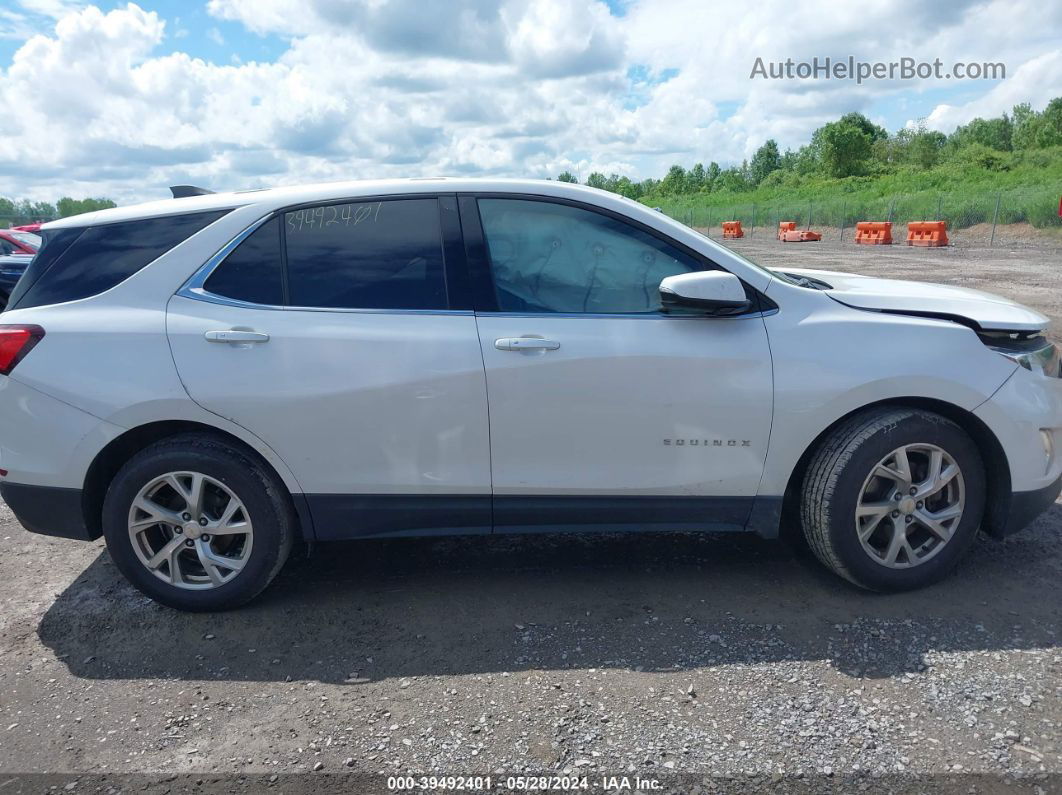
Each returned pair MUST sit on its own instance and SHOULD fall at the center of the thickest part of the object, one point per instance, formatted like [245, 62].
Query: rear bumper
[48, 510]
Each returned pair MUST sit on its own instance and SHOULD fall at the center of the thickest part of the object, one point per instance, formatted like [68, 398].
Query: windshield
[28, 238]
[755, 266]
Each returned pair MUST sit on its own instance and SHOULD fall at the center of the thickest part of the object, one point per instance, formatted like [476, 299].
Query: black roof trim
[184, 191]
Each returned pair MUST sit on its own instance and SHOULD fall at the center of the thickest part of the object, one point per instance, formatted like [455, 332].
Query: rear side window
[367, 255]
[71, 266]
[54, 245]
[252, 272]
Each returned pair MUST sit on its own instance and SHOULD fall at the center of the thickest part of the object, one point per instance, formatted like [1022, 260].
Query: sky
[122, 99]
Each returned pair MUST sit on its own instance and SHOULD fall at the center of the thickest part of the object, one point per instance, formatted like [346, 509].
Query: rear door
[337, 334]
[605, 411]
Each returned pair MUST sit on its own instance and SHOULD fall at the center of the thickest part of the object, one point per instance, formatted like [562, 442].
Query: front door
[604, 411]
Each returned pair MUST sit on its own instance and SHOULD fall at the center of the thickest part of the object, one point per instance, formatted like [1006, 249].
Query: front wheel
[893, 498]
[197, 524]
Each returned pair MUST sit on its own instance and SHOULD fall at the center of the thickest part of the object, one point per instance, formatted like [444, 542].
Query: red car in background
[34, 227]
[18, 241]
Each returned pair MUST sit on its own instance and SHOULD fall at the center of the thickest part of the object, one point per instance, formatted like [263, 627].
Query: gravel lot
[706, 663]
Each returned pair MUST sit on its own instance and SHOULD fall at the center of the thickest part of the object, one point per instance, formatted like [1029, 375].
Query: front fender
[831, 360]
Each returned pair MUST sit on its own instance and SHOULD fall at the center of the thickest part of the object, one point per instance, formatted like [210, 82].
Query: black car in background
[11, 269]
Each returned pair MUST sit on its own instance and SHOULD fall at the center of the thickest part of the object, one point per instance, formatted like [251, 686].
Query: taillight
[15, 342]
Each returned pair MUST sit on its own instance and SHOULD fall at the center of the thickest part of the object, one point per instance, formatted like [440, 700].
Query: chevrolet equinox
[204, 380]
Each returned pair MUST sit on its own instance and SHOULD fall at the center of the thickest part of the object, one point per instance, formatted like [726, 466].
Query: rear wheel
[197, 524]
[893, 498]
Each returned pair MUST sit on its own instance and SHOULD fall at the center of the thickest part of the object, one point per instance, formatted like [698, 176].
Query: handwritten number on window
[316, 218]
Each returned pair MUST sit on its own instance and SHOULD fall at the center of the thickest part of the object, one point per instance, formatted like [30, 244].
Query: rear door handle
[236, 335]
[525, 344]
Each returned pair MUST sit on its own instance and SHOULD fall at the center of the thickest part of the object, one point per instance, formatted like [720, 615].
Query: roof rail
[184, 191]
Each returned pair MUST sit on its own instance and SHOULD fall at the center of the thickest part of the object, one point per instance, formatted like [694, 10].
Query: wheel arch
[115, 453]
[997, 470]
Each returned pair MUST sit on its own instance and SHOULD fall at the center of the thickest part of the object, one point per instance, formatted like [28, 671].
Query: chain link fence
[8, 221]
[1026, 217]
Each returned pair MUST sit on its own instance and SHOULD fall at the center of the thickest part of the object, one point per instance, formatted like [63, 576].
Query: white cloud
[520, 87]
[1036, 82]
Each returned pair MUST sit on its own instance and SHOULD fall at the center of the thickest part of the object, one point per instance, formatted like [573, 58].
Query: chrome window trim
[629, 315]
[193, 288]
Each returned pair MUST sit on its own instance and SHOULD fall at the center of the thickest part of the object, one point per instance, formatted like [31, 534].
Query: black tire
[261, 491]
[835, 479]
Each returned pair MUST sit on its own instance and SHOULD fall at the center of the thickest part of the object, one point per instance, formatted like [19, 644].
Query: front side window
[548, 257]
[366, 255]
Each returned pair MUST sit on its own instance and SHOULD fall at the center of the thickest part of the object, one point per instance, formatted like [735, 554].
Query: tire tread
[214, 447]
[828, 462]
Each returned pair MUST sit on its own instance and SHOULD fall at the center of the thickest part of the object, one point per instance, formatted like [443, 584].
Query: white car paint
[425, 403]
[315, 393]
[628, 405]
[990, 312]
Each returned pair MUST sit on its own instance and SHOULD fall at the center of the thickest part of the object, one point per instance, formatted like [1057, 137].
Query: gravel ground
[704, 663]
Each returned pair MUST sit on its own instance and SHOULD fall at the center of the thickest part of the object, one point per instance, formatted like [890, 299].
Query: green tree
[993, 133]
[926, 148]
[1050, 132]
[696, 177]
[1033, 130]
[67, 206]
[915, 146]
[597, 180]
[766, 160]
[675, 182]
[624, 187]
[35, 210]
[711, 175]
[567, 176]
[844, 148]
[731, 180]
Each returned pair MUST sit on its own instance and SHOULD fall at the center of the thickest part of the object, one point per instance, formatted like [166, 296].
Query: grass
[1027, 186]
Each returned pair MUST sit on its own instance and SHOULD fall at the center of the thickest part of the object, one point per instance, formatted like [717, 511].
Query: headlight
[1034, 353]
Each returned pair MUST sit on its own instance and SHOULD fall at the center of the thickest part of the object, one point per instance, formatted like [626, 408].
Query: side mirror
[712, 292]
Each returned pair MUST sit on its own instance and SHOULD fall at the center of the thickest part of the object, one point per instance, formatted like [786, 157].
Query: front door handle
[236, 335]
[525, 344]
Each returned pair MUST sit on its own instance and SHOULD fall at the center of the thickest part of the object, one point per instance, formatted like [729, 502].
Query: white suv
[204, 380]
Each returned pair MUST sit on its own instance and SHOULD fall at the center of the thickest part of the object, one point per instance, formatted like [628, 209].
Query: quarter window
[366, 255]
[548, 257]
[78, 263]
[252, 272]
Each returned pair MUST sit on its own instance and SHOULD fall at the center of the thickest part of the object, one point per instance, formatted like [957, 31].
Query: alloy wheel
[910, 506]
[190, 530]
